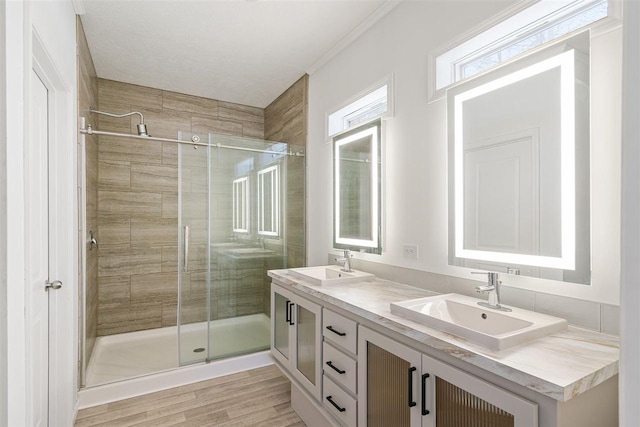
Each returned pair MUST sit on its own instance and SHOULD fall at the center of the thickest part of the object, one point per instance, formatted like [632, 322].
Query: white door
[37, 256]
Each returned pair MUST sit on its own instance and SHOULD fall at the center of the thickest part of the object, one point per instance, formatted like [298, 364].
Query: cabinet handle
[410, 387]
[340, 371]
[290, 313]
[425, 411]
[342, 334]
[330, 399]
[287, 314]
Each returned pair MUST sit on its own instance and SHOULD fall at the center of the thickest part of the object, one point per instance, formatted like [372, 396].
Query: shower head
[142, 128]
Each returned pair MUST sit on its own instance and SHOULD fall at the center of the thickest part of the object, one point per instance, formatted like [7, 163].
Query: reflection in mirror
[241, 205]
[268, 201]
[357, 168]
[519, 166]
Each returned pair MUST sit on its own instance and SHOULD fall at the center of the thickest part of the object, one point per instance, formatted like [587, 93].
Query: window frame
[344, 116]
[599, 27]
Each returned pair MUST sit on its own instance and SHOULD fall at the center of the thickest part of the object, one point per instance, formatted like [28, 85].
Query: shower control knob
[195, 138]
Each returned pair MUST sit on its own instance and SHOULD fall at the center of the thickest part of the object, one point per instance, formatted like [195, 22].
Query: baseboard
[120, 390]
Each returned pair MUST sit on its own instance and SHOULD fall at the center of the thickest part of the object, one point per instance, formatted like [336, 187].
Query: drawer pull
[425, 411]
[410, 387]
[340, 371]
[330, 399]
[288, 313]
[342, 334]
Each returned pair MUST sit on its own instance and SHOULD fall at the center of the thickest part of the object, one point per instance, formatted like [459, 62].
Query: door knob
[57, 284]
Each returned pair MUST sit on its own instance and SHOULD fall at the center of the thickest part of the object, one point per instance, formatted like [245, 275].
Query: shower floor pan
[133, 354]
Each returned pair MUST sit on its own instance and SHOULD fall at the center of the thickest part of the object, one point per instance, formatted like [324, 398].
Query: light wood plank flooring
[260, 397]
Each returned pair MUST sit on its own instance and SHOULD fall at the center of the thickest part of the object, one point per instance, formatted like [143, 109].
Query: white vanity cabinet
[296, 337]
[399, 386]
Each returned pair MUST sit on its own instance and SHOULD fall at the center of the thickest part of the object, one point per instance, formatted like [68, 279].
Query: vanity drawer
[339, 330]
[339, 366]
[342, 406]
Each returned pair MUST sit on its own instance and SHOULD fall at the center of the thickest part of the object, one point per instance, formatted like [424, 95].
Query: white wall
[630, 312]
[54, 22]
[415, 157]
[4, 392]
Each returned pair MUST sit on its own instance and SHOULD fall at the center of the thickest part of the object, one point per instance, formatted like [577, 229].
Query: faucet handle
[347, 253]
[493, 277]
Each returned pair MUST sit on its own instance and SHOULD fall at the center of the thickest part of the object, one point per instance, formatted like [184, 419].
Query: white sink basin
[462, 316]
[330, 275]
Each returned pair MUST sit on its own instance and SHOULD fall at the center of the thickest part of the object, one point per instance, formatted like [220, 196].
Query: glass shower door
[193, 251]
[247, 239]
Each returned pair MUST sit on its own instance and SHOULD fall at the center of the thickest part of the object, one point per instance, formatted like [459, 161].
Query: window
[534, 26]
[369, 105]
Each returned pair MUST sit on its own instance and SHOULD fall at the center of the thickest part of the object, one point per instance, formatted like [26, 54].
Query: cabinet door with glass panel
[398, 386]
[296, 337]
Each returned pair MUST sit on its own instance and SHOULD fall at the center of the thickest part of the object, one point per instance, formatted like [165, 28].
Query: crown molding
[375, 16]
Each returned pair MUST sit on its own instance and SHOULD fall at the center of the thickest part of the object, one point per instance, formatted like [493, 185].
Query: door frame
[63, 220]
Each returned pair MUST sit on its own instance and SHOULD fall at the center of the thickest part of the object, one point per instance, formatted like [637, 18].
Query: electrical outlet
[410, 251]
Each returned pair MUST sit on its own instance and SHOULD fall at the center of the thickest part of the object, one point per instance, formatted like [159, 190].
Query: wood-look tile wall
[138, 205]
[87, 97]
[285, 120]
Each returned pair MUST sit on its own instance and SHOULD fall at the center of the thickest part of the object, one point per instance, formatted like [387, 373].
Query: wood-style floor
[260, 397]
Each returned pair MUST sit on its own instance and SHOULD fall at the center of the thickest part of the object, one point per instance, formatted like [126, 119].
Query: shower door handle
[186, 248]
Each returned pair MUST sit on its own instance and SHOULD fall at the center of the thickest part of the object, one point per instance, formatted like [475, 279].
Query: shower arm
[119, 116]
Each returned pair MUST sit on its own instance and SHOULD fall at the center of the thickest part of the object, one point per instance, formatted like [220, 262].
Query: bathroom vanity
[353, 363]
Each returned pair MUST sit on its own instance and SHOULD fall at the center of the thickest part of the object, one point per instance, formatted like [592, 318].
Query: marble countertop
[560, 366]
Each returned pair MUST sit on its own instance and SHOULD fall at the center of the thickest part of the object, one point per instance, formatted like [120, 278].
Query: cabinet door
[307, 344]
[281, 324]
[388, 382]
[453, 398]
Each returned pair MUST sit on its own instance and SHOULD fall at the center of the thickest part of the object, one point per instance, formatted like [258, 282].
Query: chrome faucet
[493, 289]
[346, 259]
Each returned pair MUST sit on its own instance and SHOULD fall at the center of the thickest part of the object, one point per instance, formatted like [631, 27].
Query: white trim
[78, 7]
[363, 27]
[598, 28]
[63, 229]
[629, 290]
[112, 392]
[388, 80]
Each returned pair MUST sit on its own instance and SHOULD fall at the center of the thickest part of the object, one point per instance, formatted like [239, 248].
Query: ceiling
[247, 52]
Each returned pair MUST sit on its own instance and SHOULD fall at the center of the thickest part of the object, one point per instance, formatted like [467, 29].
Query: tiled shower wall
[285, 120]
[138, 203]
[87, 97]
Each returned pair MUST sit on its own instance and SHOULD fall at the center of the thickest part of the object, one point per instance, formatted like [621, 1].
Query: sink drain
[198, 350]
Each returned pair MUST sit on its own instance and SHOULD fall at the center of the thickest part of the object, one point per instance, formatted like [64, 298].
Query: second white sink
[329, 275]
[461, 315]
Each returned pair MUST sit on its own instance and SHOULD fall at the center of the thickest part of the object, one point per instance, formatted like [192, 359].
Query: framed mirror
[356, 190]
[519, 166]
[240, 200]
[268, 201]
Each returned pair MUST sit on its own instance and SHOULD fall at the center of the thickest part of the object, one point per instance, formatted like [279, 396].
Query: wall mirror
[356, 189]
[240, 201]
[519, 166]
[268, 201]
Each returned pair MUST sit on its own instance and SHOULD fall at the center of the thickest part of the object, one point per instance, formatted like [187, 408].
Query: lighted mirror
[268, 201]
[357, 170]
[241, 205]
[519, 166]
